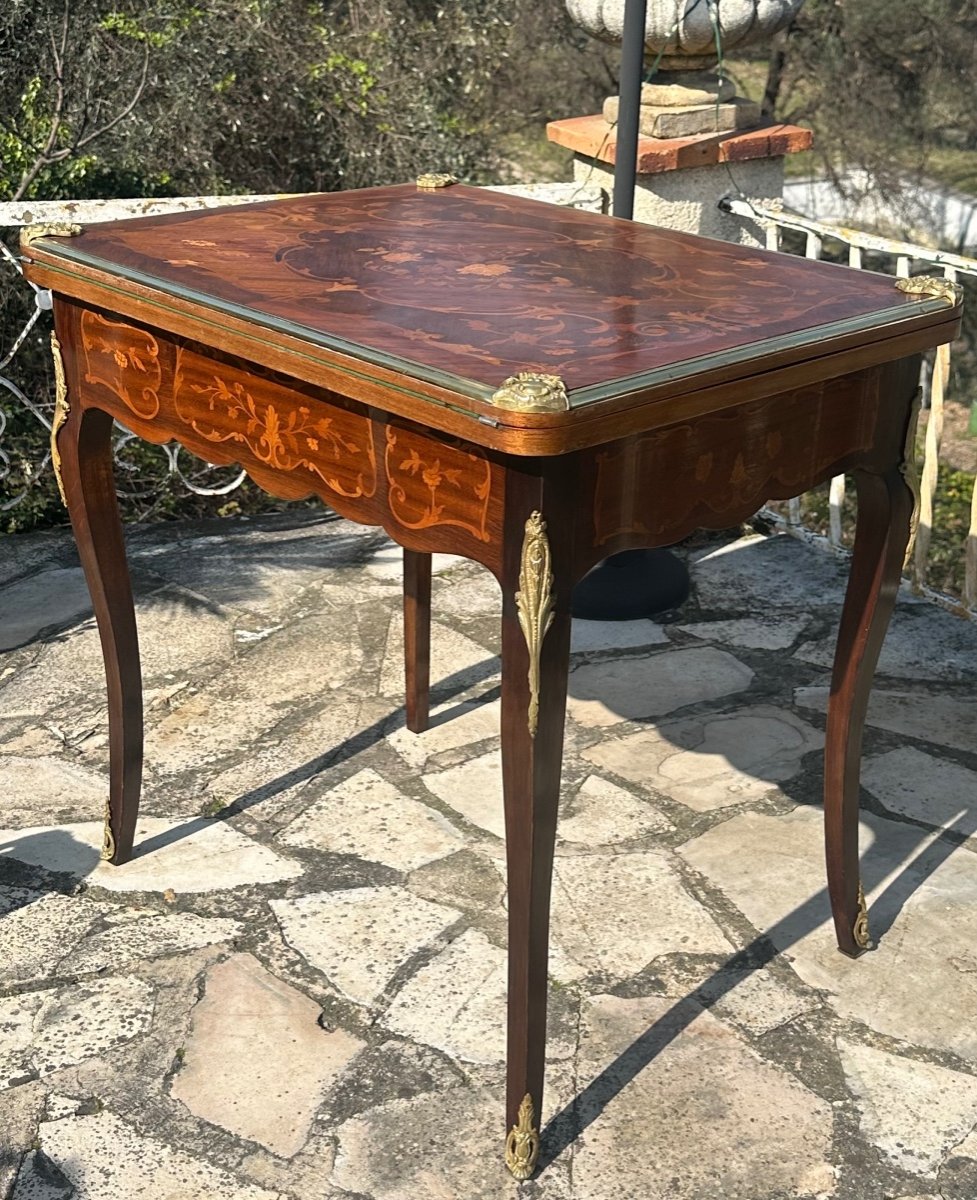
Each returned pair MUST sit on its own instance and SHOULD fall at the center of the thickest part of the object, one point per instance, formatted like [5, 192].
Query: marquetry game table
[529, 386]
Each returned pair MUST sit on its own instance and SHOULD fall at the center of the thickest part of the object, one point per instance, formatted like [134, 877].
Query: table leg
[84, 444]
[885, 509]
[417, 638]
[535, 658]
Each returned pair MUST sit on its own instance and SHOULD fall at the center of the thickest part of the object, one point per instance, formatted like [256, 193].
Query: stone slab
[265, 686]
[752, 999]
[919, 644]
[257, 571]
[198, 855]
[915, 1112]
[688, 120]
[36, 935]
[49, 789]
[48, 600]
[946, 720]
[387, 1152]
[603, 814]
[361, 938]
[924, 787]
[713, 762]
[586, 636]
[372, 819]
[474, 789]
[271, 779]
[453, 726]
[634, 689]
[44, 1032]
[766, 574]
[456, 1003]
[178, 633]
[142, 1167]
[256, 1060]
[147, 937]
[669, 1077]
[385, 561]
[89, 1018]
[922, 897]
[613, 914]
[775, 632]
[467, 591]
[593, 137]
[455, 660]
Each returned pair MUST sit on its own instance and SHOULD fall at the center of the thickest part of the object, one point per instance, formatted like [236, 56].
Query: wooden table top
[461, 287]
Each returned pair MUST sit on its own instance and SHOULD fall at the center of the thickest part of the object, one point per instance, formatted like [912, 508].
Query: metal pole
[632, 71]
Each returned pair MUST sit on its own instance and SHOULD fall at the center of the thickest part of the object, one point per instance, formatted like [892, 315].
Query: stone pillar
[682, 179]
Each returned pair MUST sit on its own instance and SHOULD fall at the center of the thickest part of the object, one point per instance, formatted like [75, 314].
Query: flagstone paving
[295, 991]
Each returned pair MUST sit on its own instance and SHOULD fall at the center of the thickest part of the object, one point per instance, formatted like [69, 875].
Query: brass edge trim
[860, 930]
[431, 180]
[469, 388]
[534, 602]
[30, 233]
[532, 391]
[687, 369]
[61, 411]
[932, 287]
[522, 1142]
[910, 474]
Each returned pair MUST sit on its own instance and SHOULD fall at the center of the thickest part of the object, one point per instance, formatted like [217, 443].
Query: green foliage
[886, 84]
[169, 97]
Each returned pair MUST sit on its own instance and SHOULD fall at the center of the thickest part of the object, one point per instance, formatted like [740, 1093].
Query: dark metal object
[637, 583]
[632, 72]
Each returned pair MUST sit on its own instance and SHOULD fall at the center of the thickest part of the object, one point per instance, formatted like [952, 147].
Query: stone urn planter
[681, 40]
[684, 31]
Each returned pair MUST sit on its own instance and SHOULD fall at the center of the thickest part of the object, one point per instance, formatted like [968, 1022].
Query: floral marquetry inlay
[733, 461]
[437, 484]
[223, 404]
[124, 359]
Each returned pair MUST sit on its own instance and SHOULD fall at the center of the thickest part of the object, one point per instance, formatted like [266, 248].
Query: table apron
[435, 492]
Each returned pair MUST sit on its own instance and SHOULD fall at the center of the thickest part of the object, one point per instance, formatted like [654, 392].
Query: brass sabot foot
[108, 841]
[522, 1144]
[860, 931]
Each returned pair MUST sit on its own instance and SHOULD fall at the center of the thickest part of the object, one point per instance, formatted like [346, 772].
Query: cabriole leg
[82, 453]
[535, 657]
[886, 503]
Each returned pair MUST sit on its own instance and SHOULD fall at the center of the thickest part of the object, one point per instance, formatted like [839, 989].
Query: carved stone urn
[681, 39]
[684, 31]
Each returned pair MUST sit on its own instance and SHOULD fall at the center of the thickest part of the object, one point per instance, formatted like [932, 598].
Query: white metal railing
[773, 219]
[204, 479]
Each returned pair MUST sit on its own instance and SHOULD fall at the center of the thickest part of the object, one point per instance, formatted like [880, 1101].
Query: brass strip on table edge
[888, 319]
[61, 411]
[860, 931]
[534, 601]
[522, 1143]
[408, 368]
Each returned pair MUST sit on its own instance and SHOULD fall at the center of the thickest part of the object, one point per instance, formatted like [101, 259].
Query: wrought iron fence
[136, 482]
[903, 258]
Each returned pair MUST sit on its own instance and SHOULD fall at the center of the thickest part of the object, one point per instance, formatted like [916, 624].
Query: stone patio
[296, 989]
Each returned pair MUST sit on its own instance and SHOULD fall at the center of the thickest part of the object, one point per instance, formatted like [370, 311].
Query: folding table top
[463, 288]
